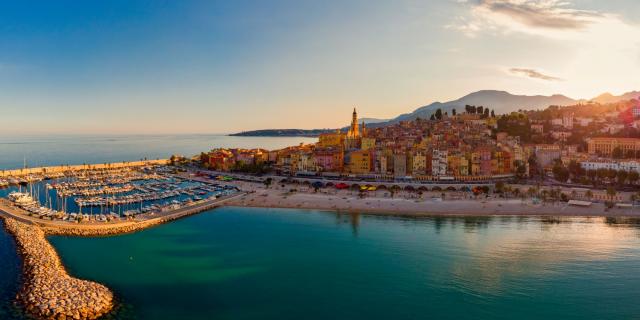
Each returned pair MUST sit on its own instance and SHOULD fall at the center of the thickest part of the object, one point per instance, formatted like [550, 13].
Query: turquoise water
[10, 266]
[78, 149]
[241, 263]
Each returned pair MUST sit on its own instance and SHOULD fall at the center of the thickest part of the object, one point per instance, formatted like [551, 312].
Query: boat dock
[57, 227]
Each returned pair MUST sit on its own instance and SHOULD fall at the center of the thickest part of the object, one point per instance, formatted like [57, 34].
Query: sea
[50, 150]
[259, 263]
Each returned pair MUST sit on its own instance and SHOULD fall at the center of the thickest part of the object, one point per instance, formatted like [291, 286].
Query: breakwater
[48, 291]
[80, 167]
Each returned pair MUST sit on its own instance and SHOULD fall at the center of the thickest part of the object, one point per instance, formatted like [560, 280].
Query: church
[355, 133]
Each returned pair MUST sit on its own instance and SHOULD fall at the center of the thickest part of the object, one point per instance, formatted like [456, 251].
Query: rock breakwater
[48, 291]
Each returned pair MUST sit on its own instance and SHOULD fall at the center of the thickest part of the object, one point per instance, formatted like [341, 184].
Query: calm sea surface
[55, 150]
[240, 263]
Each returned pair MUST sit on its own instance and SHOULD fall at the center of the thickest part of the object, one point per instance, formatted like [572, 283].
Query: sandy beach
[411, 204]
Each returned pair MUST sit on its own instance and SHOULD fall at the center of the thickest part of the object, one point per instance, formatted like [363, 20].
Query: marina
[108, 195]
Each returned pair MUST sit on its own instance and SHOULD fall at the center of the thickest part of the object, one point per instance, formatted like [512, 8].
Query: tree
[617, 153]
[480, 110]
[453, 112]
[633, 177]
[611, 192]
[592, 174]
[589, 194]
[439, 114]
[267, 182]
[499, 187]
[486, 113]
[544, 195]
[493, 114]
[601, 174]
[521, 169]
[470, 109]
[622, 177]
[532, 191]
[575, 169]
[560, 173]
[631, 154]
[433, 117]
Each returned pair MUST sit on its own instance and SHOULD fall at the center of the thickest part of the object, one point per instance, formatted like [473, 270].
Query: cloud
[530, 16]
[531, 73]
[551, 14]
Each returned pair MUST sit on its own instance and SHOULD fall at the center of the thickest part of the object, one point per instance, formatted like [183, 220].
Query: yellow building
[335, 139]
[368, 144]
[463, 168]
[419, 164]
[605, 146]
[360, 161]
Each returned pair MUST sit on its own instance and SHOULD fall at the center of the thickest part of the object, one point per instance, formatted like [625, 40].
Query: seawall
[97, 166]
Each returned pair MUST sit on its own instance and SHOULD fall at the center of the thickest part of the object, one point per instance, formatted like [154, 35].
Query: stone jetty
[48, 291]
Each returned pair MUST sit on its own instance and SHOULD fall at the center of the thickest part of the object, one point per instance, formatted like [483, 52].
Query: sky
[182, 66]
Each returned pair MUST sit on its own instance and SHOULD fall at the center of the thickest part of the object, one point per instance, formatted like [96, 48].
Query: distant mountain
[609, 98]
[372, 120]
[283, 133]
[499, 101]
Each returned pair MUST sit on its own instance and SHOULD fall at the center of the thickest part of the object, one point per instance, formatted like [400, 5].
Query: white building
[615, 165]
[439, 163]
[567, 120]
[612, 128]
[583, 122]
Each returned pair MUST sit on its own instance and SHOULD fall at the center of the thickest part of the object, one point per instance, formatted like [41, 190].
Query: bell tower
[354, 131]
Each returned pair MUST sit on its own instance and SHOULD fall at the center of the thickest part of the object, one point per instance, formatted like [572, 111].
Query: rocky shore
[48, 291]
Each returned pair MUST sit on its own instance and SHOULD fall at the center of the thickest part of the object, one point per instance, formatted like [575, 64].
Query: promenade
[404, 203]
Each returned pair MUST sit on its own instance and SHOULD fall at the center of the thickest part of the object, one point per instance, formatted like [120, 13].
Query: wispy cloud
[531, 73]
[524, 15]
[552, 14]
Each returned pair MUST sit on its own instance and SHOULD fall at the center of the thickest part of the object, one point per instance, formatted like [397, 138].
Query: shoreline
[410, 205]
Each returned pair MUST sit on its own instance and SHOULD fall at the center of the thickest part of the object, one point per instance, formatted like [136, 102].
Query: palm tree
[267, 182]
[611, 192]
[545, 193]
[532, 191]
[588, 194]
[516, 192]
[633, 177]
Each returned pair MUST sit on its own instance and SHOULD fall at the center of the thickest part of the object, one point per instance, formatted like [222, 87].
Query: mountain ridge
[498, 100]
